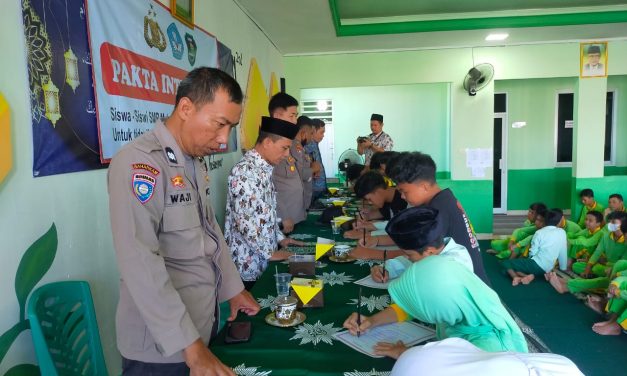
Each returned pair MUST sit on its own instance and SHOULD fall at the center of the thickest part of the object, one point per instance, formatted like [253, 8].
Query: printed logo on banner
[143, 187]
[191, 48]
[176, 42]
[152, 31]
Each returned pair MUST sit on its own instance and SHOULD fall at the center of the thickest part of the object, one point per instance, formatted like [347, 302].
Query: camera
[362, 139]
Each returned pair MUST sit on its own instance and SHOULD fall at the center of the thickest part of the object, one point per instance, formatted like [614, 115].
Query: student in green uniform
[616, 309]
[589, 204]
[441, 291]
[614, 203]
[503, 248]
[567, 225]
[582, 244]
[610, 249]
[603, 263]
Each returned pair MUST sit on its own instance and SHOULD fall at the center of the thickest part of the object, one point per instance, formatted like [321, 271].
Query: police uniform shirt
[289, 189]
[303, 165]
[174, 263]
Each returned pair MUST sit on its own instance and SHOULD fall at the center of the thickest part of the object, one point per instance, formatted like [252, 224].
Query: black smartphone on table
[238, 331]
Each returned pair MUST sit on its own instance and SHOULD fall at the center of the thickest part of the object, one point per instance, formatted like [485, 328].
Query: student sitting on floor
[582, 244]
[611, 249]
[547, 246]
[567, 225]
[407, 230]
[616, 309]
[614, 204]
[503, 248]
[439, 290]
[523, 237]
[589, 204]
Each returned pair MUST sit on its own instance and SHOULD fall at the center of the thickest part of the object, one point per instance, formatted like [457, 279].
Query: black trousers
[137, 368]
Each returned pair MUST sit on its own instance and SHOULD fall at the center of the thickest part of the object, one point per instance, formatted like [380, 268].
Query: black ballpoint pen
[359, 313]
[385, 257]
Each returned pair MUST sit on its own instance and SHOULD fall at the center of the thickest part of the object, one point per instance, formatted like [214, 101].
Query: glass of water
[335, 227]
[283, 283]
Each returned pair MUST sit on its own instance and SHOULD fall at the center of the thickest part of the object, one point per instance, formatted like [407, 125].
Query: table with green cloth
[308, 348]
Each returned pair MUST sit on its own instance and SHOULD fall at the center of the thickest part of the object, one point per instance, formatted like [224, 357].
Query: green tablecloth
[308, 349]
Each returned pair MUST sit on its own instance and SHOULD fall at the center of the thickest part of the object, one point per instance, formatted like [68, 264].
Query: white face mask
[613, 227]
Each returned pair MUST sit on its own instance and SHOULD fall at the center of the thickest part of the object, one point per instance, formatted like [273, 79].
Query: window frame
[612, 161]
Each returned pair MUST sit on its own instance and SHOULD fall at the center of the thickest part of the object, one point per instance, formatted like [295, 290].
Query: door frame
[503, 162]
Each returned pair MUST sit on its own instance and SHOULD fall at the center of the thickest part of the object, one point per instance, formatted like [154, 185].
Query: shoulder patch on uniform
[147, 167]
[143, 187]
[170, 154]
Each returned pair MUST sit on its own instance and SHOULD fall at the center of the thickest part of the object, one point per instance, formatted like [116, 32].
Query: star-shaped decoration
[267, 302]
[372, 372]
[334, 278]
[315, 333]
[242, 370]
[373, 302]
[368, 262]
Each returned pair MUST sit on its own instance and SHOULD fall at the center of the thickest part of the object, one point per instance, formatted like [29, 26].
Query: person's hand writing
[202, 362]
[376, 273]
[351, 324]
[371, 241]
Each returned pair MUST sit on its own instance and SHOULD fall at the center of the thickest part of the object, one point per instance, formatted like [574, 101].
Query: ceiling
[302, 27]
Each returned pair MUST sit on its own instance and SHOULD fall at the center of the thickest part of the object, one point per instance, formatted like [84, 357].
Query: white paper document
[409, 332]
[369, 282]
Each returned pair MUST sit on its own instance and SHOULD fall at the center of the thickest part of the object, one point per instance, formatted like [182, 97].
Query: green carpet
[562, 322]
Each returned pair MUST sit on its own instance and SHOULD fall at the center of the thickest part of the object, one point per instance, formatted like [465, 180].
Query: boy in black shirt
[386, 200]
[414, 174]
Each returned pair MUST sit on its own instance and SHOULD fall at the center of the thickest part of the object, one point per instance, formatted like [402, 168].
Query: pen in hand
[385, 257]
[359, 313]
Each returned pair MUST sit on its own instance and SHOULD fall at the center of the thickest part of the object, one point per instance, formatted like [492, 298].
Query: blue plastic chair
[64, 330]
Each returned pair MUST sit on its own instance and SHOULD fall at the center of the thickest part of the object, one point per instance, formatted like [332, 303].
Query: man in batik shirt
[377, 141]
[251, 228]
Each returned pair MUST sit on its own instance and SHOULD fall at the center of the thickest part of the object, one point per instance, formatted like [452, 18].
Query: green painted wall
[551, 186]
[415, 116]
[473, 195]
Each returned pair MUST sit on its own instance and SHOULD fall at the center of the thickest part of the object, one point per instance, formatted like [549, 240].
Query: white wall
[78, 202]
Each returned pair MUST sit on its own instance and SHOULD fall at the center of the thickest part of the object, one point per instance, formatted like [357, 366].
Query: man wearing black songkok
[377, 141]
[251, 228]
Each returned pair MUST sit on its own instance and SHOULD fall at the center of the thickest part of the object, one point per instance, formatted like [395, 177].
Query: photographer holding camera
[377, 141]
